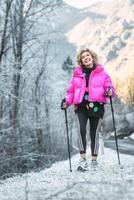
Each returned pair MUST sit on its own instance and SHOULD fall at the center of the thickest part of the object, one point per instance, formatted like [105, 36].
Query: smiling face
[87, 59]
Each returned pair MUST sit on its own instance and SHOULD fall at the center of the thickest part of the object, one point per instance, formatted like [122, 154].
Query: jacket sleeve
[70, 93]
[108, 83]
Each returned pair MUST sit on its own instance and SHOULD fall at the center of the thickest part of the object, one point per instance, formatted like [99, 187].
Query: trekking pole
[66, 121]
[112, 111]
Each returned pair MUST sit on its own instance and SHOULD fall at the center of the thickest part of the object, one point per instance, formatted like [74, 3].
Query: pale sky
[82, 3]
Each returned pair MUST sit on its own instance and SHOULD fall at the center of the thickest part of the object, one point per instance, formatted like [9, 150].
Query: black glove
[63, 101]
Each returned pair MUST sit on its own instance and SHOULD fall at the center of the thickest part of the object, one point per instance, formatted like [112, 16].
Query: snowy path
[108, 182]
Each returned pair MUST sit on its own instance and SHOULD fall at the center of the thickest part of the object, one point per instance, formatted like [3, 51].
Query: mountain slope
[112, 37]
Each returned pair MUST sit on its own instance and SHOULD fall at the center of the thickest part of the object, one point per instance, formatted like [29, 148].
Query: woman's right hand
[63, 104]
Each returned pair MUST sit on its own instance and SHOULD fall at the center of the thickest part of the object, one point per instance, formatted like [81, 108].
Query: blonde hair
[81, 51]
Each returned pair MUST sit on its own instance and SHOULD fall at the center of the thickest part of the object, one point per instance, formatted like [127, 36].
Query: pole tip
[121, 166]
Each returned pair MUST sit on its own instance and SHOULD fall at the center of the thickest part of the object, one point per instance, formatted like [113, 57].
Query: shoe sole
[81, 169]
[95, 168]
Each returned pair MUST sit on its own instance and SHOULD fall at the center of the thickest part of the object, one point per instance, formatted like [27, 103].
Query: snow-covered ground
[109, 181]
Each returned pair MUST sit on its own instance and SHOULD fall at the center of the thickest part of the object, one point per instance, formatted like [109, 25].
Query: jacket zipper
[89, 86]
[83, 90]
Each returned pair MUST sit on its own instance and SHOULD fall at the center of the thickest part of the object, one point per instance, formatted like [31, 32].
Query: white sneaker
[82, 165]
[94, 163]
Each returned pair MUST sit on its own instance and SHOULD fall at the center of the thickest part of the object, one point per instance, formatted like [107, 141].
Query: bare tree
[130, 88]
[4, 30]
[23, 45]
[38, 99]
[19, 25]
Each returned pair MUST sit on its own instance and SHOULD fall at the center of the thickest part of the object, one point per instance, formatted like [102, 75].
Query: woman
[89, 89]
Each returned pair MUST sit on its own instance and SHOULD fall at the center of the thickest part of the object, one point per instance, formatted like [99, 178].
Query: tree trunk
[3, 38]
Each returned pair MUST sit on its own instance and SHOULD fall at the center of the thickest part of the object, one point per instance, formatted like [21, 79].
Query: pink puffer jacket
[99, 82]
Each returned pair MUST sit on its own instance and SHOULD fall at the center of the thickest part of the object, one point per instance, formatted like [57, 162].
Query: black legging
[94, 134]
